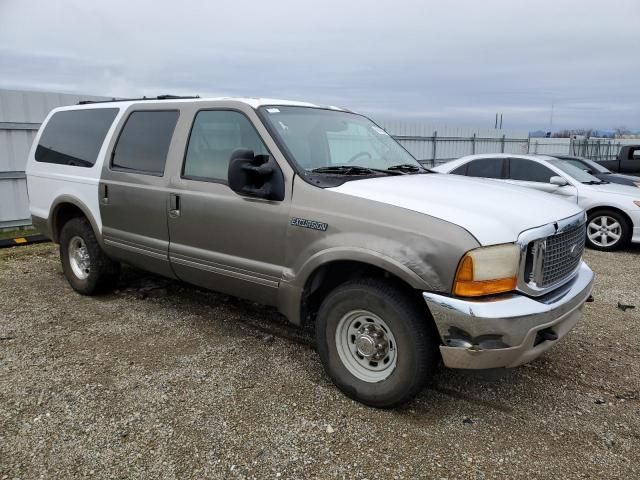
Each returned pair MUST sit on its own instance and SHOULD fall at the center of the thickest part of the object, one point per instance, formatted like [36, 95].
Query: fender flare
[76, 202]
[362, 255]
[290, 291]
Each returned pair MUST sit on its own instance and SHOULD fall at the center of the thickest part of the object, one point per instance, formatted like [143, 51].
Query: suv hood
[493, 212]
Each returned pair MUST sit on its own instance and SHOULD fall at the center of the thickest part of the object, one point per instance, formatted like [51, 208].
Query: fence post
[536, 149]
[473, 144]
[435, 149]
[502, 147]
[571, 145]
[529, 145]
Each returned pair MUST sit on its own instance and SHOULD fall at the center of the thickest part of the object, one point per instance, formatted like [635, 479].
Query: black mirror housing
[255, 175]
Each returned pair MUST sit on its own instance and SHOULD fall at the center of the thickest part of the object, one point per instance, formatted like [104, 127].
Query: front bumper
[635, 226]
[507, 330]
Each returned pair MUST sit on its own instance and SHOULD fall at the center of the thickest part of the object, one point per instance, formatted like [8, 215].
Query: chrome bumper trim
[502, 331]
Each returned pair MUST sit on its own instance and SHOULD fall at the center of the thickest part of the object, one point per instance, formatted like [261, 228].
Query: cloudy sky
[442, 62]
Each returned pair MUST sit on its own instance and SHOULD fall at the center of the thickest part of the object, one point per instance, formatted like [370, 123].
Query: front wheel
[607, 230]
[87, 268]
[376, 343]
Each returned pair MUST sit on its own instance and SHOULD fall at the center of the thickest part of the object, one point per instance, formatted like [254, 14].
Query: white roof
[254, 102]
[448, 166]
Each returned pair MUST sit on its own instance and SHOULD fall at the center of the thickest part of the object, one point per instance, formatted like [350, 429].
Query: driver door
[219, 239]
[530, 174]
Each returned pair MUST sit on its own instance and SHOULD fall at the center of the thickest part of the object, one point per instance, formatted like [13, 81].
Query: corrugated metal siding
[14, 204]
[21, 113]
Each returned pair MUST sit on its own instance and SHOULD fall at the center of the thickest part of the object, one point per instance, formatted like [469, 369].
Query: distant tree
[562, 134]
[621, 131]
[566, 133]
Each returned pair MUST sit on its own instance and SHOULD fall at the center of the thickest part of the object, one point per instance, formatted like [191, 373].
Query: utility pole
[551, 117]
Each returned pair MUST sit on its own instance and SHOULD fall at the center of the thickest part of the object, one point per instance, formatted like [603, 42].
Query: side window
[529, 171]
[486, 168]
[214, 136]
[635, 154]
[144, 142]
[74, 137]
[461, 170]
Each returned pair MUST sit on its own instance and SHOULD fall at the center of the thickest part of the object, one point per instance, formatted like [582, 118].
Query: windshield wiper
[595, 182]
[352, 170]
[405, 167]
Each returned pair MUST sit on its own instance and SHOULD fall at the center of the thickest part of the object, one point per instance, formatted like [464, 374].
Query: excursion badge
[312, 224]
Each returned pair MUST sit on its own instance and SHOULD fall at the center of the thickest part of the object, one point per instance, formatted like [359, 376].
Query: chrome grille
[561, 254]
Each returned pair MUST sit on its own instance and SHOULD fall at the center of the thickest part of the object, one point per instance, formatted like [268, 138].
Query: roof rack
[159, 97]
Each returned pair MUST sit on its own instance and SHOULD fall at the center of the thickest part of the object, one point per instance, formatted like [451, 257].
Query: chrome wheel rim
[366, 346]
[79, 259]
[604, 231]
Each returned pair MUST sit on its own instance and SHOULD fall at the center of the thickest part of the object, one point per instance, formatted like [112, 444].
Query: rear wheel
[376, 343]
[607, 230]
[87, 269]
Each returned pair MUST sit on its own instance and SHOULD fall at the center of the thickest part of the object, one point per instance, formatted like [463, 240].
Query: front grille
[561, 254]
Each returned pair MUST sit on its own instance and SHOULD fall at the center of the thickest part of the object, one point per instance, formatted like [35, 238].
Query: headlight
[637, 184]
[487, 270]
[637, 202]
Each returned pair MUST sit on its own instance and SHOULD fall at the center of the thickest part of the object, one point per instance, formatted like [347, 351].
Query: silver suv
[320, 213]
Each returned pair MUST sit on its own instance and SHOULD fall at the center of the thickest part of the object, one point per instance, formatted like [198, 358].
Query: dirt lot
[162, 380]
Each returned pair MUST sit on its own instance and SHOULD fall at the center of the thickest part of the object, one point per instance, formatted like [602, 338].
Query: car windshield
[586, 164]
[574, 172]
[322, 139]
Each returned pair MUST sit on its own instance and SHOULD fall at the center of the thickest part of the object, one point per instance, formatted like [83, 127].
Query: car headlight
[637, 184]
[488, 270]
[637, 202]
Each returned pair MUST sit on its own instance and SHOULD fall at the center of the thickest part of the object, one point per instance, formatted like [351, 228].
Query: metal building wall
[21, 113]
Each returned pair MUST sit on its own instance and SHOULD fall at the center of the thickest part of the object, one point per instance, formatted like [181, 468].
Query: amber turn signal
[487, 271]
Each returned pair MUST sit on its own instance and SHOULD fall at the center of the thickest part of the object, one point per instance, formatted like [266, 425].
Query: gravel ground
[163, 380]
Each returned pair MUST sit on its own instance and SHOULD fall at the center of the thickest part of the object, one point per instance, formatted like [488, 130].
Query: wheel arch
[66, 207]
[625, 218]
[619, 211]
[299, 300]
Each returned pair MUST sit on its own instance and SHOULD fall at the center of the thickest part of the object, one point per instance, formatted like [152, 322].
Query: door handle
[174, 205]
[105, 193]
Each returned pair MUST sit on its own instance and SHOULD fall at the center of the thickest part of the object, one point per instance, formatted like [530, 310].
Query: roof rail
[159, 97]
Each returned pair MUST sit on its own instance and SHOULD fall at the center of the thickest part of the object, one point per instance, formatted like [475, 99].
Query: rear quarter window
[74, 137]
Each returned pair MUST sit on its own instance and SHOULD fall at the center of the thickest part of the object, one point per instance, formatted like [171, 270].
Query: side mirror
[255, 175]
[558, 180]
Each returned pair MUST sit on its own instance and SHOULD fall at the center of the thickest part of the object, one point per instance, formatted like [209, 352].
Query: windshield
[586, 164]
[574, 172]
[318, 138]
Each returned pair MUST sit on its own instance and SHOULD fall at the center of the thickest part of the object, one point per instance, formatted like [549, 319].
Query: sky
[454, 62]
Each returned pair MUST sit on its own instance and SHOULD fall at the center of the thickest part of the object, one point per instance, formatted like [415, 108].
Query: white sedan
[613, 210]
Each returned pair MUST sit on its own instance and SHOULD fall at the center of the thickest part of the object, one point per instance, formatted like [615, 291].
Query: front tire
[87, 268]
[607, 230]
[376, 343]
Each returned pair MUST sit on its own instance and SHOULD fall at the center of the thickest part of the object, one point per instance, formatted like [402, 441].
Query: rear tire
[376, 343]
[603, 226]
[87, 269]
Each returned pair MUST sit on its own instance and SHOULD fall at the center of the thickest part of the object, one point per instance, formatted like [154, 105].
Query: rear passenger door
[133, 191]
[490, 167]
